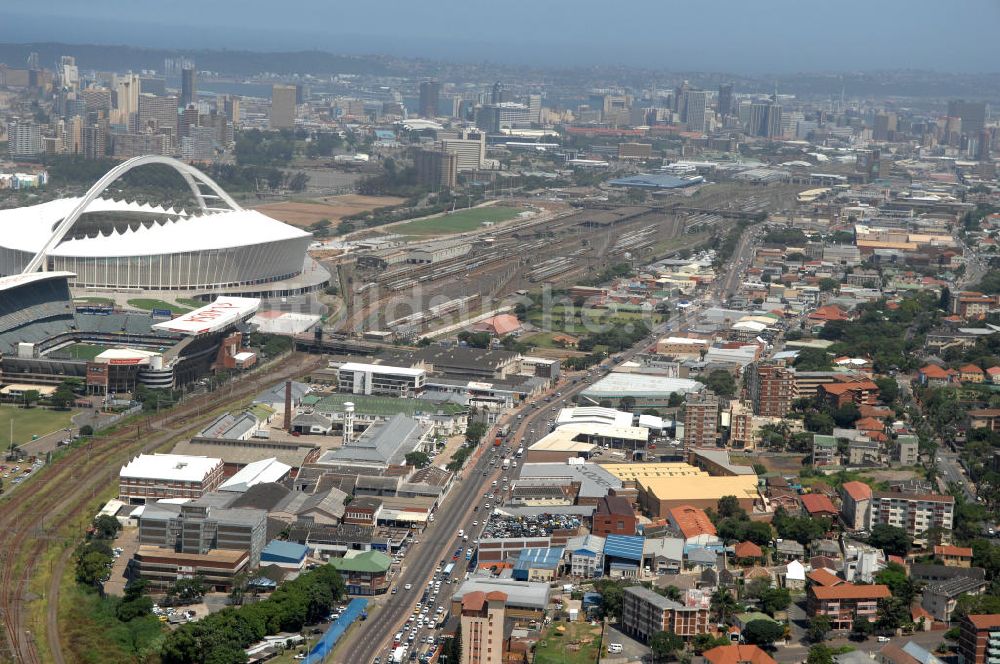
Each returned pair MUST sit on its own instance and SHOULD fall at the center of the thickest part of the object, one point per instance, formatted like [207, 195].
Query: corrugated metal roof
[624, 546]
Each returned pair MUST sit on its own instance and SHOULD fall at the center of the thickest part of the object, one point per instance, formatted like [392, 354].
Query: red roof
[985, 620]
[869, 424]
[747, 550]
[816, 503]
[858, 490]
[822, 577]
[692, 521]
[829, 312]
[934, 371]
[840, 388]
[737, 654]
[949, 550]
[993, 371]
[971, 369]
[851, 591]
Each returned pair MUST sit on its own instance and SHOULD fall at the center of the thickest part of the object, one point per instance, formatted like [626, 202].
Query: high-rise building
[24, 139]
[69, 75]
[469, 150]
[436, 169]
[430, 96]
[126, 146]
[153, 85]
[496, 94]
[884, 127]
[770, 388]
[97, 100]
[482, 626]
[188, 119]
[701, 419]
[189, 87]
[915, 513]
[972, 113]
[158, 114]
[979, 639]
[725, 101]
[697, 107]
[95, 140]
[200, 144]
[535, 108]
[764, 119]
[127, 94]
[231, 108]
[282, 107]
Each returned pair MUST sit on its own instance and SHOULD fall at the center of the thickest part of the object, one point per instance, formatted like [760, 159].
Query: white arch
[191, 175]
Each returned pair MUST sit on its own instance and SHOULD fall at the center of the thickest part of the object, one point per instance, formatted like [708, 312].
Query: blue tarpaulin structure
[329, 639]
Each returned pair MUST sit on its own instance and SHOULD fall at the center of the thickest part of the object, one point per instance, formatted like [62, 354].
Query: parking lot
[528, 526]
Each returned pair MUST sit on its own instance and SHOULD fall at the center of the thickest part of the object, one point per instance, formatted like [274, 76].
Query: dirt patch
[334, 208]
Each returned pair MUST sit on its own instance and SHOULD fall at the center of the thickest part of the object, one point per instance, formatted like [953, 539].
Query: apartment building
[855, 506]
[770, 388]
[701, 420]
[644, 613]
[845, 602]
[979, 639]
[482, 627]
[914, 513]
[379, 379]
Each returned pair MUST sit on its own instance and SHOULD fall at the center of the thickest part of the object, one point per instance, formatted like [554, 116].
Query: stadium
[218, 248]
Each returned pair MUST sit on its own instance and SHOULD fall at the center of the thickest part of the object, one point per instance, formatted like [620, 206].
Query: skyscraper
[697, 105]
[496, 94]
[430, 95]
[158, 113]
[884, 127]
[770, 388]
[725, 99]
[973, 114]
[189, 87]
[283, 107]
[482, 627]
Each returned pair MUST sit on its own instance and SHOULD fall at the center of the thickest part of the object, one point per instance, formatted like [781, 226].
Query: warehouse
[663, 486]
[648, 391]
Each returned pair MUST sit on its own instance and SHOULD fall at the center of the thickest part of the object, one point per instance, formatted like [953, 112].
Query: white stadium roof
[172, 231]
[15, 280]
[222, 313]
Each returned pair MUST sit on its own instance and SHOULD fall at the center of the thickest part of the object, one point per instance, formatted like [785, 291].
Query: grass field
[148, 304]
[578, 644]
[456, 222]
[85, 351]
[191, 302]
[30, 422]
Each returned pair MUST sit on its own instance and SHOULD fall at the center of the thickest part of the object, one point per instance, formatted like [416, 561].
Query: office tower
[127, 94]
[496, 94]
[188, 119]
[24, 139]
[469, 150]
[535, 108]
[482, 627]
[972, 113]
[97, 100]
[764, 119]
[701, 419]
[301, 93]
[231, 108]
[697, 106]
[884, 127]
[437, 170]
[725, 99]
[174, 66]
[680, 99]
[430, 93]
[69, 75]
[770, 388]
[189, 87]
[157, 114]
[983, 146]
[282, 107]
[33, 61]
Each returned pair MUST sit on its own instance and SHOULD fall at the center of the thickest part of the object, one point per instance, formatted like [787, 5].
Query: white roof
[258, 472]
[219, 315]
[683, 340]
[651, 422]
[795, 571]
[169, 467]
[751, 325]
[29, 228]
[381, 369]
[15, 280]
[593, 415]
[125, 356]
[631, 384]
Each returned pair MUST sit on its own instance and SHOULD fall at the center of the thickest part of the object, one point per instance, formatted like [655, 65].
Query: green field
[85, 351]
[30, 422]
[147, 304]
[191, 302]
[456, 222]
[578, 644]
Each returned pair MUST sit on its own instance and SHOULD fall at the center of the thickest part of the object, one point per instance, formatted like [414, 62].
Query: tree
[763, 632]
[817, 422]
[861, 628]
[722, 605]
[63, 396]
[86, 430]
[676, 400]
[819, 627]
[774, 600]
[702, 642]
[417, 459]
[893, 613]
[888, 389]
[846, 415]
[820, 654]
[106, 527]
[474, 432]
[612, 597]
[891, 539]
[895, 577]
[30, 398]
[813, 359]
[721, 382]
[665, 645]
[827, 284]
[729, 506]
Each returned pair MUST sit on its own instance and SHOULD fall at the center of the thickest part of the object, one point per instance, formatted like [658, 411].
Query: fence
[329, 639]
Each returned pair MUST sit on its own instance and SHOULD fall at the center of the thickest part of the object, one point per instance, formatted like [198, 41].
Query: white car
[408, 586]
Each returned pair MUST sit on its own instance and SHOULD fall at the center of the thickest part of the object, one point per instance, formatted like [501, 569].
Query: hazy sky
[709, 35]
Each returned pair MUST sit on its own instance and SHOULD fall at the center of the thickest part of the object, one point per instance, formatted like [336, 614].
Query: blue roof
[628, 547]
[326, 643]
[655, 181]
[281, 551]
[539, 558]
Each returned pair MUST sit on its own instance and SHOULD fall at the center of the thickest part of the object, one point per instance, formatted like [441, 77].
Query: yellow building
[663, 486]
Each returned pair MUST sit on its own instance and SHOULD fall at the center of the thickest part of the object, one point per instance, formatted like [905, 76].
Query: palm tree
[722, 604]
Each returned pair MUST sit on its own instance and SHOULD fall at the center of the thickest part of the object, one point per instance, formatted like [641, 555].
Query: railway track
[60, 496]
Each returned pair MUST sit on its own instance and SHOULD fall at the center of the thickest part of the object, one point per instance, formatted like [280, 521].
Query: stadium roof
[655, 181]
[16, 280]
[174, 467]
[624, 546]
[218, 315]
[175, 231]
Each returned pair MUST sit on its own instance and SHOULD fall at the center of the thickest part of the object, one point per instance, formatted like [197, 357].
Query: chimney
[288, 406]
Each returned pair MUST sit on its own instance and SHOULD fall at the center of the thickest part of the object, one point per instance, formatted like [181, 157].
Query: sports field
[148, 304]
[84, 351]
[334, 208]
[30, 422]
[460, 221]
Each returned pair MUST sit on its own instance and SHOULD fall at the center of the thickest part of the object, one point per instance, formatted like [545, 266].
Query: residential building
[701, 419]
[151, 477]
[845, 602]
[914, 513]
[824, 451]
[482, 627]
[24, 139]
[979, 639]
[645, 613]
[855, 506]
[771, 388]
[614, 516]
[436, 169]
[953, 556]
[907, 450]
[817, 505]
[380, 379]
[940, 598]
[737, 654]
[282, 107]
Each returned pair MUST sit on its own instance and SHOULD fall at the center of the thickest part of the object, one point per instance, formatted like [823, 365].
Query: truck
[506, 464]
[398, 654]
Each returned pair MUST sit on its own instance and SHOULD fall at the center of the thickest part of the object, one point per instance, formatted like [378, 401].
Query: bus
[448, 570]
[520, 452]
